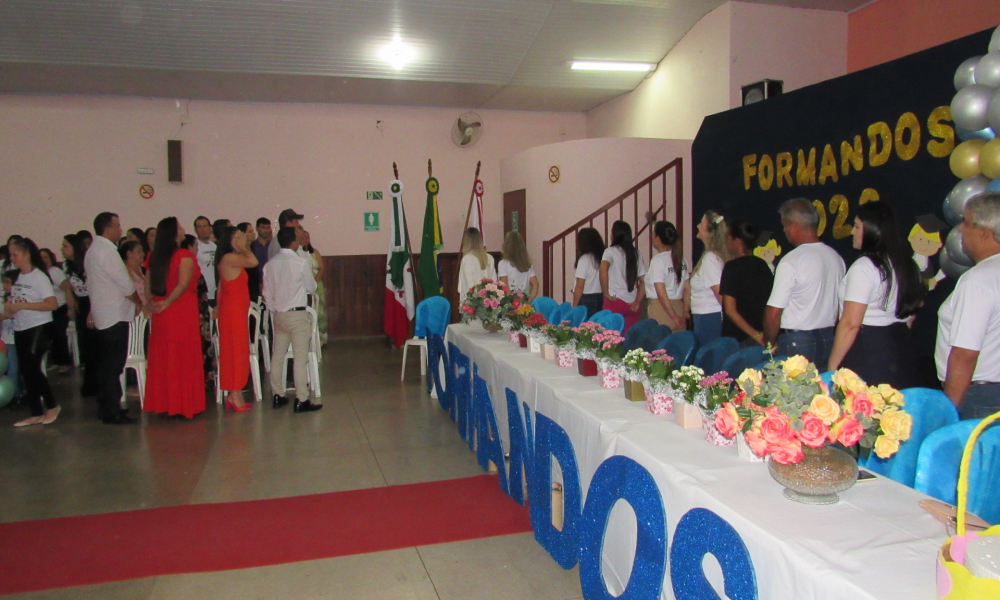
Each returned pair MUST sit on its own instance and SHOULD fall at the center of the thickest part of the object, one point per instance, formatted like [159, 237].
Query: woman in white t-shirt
[623, 275]
[880, 293]
[665, 280]
[60, 317]
[702, 299]
[31, 306]
[476, 264]
[589, 254]
[78, 300]
[515, 268]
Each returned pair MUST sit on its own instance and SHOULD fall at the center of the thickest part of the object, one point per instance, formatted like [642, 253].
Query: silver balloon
[988, 70]
[969, 106]
[995, 40]
[983, 134]
[993, 111]
[953, 244]
[954, 203]
[966, 73]
[950, 267]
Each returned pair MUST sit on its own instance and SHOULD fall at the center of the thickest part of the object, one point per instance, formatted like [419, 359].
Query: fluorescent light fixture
[397, 53]
[589, 65]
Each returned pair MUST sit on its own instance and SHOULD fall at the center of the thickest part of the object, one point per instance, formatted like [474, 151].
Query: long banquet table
[876, 543]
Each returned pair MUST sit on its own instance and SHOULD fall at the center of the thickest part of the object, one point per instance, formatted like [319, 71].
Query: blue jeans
[980, 401]
[13, 372]
[814, 344]
[707, 327]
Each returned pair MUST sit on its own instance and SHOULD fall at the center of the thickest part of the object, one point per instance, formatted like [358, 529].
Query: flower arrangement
[658, 373]
[483, 302]
[609, 349]
[560, 336]
[684, 382]
[586, 345]
[787, 406]
[718, 389]
[517, 318]
[635, 364]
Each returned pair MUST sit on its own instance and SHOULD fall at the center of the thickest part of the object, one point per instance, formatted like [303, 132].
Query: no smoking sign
[146, 191]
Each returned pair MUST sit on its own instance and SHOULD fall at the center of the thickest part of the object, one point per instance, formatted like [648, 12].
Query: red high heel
[230, 405]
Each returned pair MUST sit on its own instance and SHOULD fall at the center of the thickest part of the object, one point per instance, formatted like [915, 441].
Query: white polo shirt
[517, 280]
[805, 287]
[863, 284]
[617, 279]
[709, 273]
[206, 260]
[109, 283]
[661, 270]
[970, 319]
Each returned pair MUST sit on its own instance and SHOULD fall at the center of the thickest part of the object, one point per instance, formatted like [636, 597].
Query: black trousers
[87, 339]
[112, 350]
[60, 354]
[885, 355]
[31, 345]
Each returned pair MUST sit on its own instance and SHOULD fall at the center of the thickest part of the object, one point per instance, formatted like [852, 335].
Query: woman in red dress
[175, 377]
[232, 258]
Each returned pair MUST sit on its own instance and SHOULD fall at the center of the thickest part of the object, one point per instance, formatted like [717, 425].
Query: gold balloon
[964, 161]
[989, 159]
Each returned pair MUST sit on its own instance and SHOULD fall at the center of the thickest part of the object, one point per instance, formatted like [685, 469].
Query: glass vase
[818, 477]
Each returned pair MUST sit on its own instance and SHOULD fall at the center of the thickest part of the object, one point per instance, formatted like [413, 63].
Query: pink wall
[592, 173]
[796, 45]
[64, 159]
[888, 29]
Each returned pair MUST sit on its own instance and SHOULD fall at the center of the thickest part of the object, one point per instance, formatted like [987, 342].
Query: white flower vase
[712, 434]
[687, 415]
[610, 378]
[659, 403]
[565, 358]
[534, 346]
[513, 337]
[744, 451]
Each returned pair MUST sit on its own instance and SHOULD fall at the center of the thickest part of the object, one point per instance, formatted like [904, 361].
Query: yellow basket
[954, 581]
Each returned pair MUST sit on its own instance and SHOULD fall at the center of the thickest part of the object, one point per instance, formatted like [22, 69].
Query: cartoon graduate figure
[767, 249]
[925, 239]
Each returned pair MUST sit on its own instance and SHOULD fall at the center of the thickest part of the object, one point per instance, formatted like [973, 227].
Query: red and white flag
[399, 305]
[476, 217]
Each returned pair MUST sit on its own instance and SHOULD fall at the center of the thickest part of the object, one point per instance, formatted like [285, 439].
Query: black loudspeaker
[762, 90]
[174, 161]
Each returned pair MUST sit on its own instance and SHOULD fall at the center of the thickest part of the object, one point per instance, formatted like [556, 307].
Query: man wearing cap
[287, 218]
[967, 353]
[802, 311]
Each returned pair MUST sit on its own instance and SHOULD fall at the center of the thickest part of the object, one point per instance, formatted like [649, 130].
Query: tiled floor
[374, 431]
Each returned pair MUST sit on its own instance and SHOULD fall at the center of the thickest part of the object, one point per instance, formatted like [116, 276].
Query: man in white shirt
[802, 311]
[967, 353]
[288, 280]
[206, 254]
[113, 304]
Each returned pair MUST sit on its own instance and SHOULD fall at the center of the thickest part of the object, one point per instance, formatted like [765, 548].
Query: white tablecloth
[876, 543]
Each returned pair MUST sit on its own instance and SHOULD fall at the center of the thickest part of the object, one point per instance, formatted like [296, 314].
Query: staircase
[646, 202]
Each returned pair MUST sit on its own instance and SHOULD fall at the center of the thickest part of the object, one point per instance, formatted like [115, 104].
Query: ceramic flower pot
[610, 379]
[534, 346]
[514, 338]
[818, 477]
[587, 367]
[634, 390]
[522, 340]
[712, 434]
[565, 358]
[744, 451]
[687, 415]
[548, 352]
[659, 403]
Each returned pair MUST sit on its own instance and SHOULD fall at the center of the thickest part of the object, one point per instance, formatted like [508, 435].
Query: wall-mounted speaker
[174, 161]
[762, 90]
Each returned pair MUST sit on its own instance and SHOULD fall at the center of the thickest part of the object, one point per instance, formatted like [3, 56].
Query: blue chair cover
[711, 356]
[615, 322]
[931, 410]
[559, 313]
[576, 316]
[745, 358]
[433, 315]
[680, 346]
[828, 380]
[600, 317]
[938, 463]
[639, 334]
[544, 305]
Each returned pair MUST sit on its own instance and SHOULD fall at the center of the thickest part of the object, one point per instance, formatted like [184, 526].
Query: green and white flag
[399, 305]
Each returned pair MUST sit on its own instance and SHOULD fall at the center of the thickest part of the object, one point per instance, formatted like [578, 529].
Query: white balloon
[995, 40]
[988, 69]
[993, 111]
[965, 75]
[969, 106]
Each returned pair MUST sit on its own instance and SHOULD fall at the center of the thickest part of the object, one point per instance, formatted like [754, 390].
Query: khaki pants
[295, 328]
[656, 312]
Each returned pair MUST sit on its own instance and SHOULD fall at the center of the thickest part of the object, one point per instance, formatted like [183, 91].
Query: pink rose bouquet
[483, 302]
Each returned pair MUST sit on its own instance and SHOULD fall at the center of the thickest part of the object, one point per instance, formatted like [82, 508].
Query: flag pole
[406, 229]
[468, 212]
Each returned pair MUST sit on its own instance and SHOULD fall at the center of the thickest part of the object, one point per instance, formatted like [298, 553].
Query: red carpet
[72, 551]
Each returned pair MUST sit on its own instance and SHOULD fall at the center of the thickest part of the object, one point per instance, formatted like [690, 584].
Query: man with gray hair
[802, 311]
[967, 353]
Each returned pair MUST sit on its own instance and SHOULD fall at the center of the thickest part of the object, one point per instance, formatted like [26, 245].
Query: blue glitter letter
[435, 354]
[520, 451]
[461, 391]
[551, 440]
[617, 478]
[701, 532]
[490, 445]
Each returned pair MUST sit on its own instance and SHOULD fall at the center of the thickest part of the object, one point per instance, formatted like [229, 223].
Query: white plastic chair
[74, 343]
[254, 314]
[264, 334]
[215, 372]
[420, 343]
[314, 353]
[136, 357]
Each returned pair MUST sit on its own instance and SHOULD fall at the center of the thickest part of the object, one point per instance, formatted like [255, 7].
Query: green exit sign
[373, 195]
[371, 221]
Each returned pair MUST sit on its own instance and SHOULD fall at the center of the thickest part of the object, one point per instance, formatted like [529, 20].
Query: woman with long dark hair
[701, 293]
[175, 375]
[253, 275]
[589, 254]
[665, 280]
[31, 306]
[622, 275]
[880, 293]
[233, 259]
[78, 300]
[60, 317]
[745, 286]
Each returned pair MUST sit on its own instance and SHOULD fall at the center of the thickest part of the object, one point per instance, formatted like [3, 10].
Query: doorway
[514, 216]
